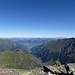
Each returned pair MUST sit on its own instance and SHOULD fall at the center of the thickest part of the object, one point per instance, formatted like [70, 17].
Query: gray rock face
[68, 69]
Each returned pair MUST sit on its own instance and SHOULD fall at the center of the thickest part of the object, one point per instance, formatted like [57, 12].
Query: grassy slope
[18, 59]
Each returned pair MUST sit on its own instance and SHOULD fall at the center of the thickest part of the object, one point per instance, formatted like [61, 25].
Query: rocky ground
[20, 72]
[39, 71]
[10, 71]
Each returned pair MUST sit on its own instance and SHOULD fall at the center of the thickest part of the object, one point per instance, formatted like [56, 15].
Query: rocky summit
[68, 69]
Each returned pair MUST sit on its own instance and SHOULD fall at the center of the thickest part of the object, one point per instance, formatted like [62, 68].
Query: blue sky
[37, 18]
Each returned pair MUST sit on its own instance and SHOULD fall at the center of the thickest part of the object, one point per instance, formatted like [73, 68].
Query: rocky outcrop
[68, 69]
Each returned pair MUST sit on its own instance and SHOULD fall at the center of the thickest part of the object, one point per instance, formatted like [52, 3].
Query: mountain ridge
[6, 44]
[18, 59]
[62, 50]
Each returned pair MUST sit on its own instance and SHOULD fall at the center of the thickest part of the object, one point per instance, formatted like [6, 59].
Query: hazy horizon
[36, 37]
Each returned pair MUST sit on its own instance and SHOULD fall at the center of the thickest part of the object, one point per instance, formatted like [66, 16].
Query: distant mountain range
[31, 42]
[62, 50]
[48, 50]
[6, 44]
